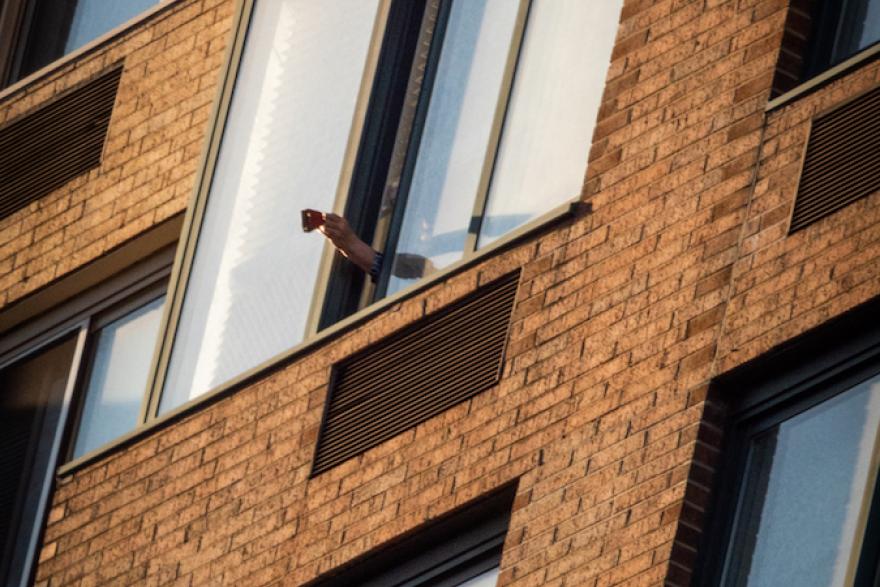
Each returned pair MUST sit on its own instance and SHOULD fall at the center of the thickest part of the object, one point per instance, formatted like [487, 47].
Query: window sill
[89, 47]
[824, 78]
[568, 211]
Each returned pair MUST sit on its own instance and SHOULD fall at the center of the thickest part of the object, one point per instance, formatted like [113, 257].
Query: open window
[35, 395]
[435, 126]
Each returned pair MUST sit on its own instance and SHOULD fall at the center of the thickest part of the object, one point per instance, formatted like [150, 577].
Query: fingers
[337, 229]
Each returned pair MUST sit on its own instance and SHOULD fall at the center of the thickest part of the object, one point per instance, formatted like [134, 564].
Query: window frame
[195, 215]
[25, 568]
[767, 391]
[443, 552]
[831, 20]
[116, 307]
[814, 76]
[90, 310]
[15, 24]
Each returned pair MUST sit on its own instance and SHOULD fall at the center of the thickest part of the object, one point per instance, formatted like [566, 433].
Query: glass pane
[553, 105]
[31, 398]
[254, 270]
[454, 140]
[61, 26]
[118, 377]
[804, 491]
[858, 27]
[487, 579]
[93, 18]
[871, 25]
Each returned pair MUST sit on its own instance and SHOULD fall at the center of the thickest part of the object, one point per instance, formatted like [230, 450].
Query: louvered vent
[46, 148]
[415, 374]
[842, 163]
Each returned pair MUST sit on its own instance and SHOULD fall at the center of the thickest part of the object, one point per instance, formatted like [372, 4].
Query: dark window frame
[78, 318]
[445, 552]
[113, 309]
[815, 367]
[19, 20]
[18, 561]
[90, 311]
[389, 145]
[830, 18]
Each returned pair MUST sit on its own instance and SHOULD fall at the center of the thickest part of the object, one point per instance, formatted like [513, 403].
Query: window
[803, 461]
[435, 126]
[841, 29]
[38, 32]
[122, 342]
[460, 549]
[71, 381]
[34, 396]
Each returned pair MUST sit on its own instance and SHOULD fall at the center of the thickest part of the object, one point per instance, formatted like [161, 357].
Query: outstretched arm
[337, 229]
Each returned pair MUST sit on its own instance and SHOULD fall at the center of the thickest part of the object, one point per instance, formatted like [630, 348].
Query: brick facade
[683, 271]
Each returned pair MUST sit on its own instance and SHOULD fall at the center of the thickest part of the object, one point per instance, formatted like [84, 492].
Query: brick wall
[683, 271]
[171, 69]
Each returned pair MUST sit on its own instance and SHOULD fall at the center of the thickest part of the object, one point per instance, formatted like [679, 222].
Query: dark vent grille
[44, 149]
[842, 163]
[415, 374]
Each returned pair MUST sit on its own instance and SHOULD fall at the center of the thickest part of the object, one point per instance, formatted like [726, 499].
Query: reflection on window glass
[62, 26]
[93, 18]
[554, 101]
[455, 137]
[859, 27]
[254, 271]
[117, 377]
[31, 400]
[487, 579]
[805, 492]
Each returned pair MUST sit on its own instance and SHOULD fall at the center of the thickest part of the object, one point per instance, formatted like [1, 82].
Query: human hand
[338, 230]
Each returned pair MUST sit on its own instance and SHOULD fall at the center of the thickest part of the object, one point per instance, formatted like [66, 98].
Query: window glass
[804, 494]
[31, 402]
[93, 18]
[118, 377]
[456, 132]
[553, 105]
[59, 27]
[859, 27]
[487, 579]
[254, 271]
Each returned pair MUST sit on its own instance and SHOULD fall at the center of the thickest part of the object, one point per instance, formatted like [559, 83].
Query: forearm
[361, 254]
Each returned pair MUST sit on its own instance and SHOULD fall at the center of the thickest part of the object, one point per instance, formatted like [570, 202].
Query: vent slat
[44, 149]
[355, 376]
[840, 165]
[416, 374]
[362, 432]
[404, 344]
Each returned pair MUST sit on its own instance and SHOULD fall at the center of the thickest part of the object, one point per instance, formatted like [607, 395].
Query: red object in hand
[311, 219]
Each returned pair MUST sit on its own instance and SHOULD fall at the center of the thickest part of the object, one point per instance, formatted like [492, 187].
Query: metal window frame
[817, 78]
[79, 331]
[14, 26]
[443, 552]
[93, 309]
[386, 239]
[114, 309]
[804, 373]
[195, 214]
